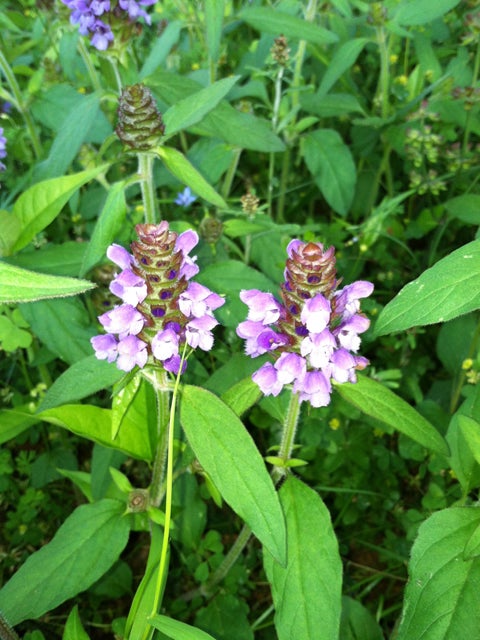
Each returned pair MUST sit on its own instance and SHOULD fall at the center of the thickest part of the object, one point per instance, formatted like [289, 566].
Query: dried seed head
[140, 124]
[281, 51]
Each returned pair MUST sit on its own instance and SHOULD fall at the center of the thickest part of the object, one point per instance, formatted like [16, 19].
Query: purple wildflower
[161, 309]
[313, 333]
[185, 198]
[3, 149]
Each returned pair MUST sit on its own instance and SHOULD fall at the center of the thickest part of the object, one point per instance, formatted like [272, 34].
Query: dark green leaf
[442, 593]
[161, 48]
[465, 207]
[416, 12]
[357, 622]
[331, 164]
[82, 379]
[445, 291]
[379, 402]
[177, 630]
[214, 10]
[227, 452]
[277, 22]
[83, 549]
[55, 259]
[73, 627]
[226, 616]
[307, 592]
[343, 59]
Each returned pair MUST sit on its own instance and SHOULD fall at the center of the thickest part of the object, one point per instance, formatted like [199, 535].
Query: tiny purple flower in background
[3, 149]
[312, 333]
[160, 308]
[185, 198]
[96, 17]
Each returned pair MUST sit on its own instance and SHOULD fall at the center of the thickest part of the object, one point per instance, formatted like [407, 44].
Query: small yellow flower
[195, 66]
[393, 58]
[401, 80]
[467, 364]
[139, 208]
[334, 424]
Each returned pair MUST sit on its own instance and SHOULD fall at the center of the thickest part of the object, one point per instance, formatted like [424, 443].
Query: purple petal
[267, 379]
[316, 313]
[120, 256]
[314, 388]
[105, 347]
[165, 344]
[131, 352]
[290, 367]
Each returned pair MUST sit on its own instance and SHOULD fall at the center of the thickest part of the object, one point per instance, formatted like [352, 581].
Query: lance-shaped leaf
[381, 403]
[445, 291]
[227, 452]
[181, 168]
[277, 22]
[307, 592]
[441, 599]
[22, 285]
[83, 549]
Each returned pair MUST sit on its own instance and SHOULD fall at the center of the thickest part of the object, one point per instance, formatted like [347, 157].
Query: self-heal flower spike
[161, 309]
[140, 125]
[3, 149]
[312, 332]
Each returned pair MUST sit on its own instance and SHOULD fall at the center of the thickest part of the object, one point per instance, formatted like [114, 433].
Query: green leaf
[15, 421]
[54, 259]
[307, 592]
[73, 627]
[331, 164]
[227, 617]
[333, 105]
[178, 630]
[123, 396]
[445, 291]
[343, 59]
[277, 22]
[70, 137]
[228, 278]
[95, 424]
[465, 207]
[243, 395]
[357, 622]
[21, 285]
[108, 225]
[82, 379]
[161, 47]
[416, 12]
[471, 432]
[62, 325]
[83, 549]
[214, 10]
[227, 452]
[37, 207]
[191, 110]
[380, 403]
[181, 168]
[441, 599]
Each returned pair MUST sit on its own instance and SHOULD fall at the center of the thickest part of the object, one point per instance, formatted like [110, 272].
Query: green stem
[275, 112]
[20, 104]
[310, 13]
[162, 568]
[145, 171]
[162, 395]
[288, 436]
[468, 123]
[227, 183]
[384, 80]
[282, 192]
[92, 72]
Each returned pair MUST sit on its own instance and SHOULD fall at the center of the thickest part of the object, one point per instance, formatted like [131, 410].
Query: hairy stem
[145, 171]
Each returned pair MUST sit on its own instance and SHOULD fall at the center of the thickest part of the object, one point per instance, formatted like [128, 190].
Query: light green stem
[288, 436]
[20, 104]
[145, 171]
[275, 113]
[310, 13]
[227, 183]
[384, 80]
[162, 394]
[92, 72]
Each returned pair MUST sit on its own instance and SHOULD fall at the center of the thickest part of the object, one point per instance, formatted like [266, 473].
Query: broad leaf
[21, 285]
[243, 395]
[381, 403]
[227, 452]
[83, 549]
[15, 421]
[357, 622]
[161, 47]
[108, 225]
[330, 162]
[95, 424]
[63, 326]
[307, 592]
[73, 627]
[53, 259]
[191, 110]
[177, 630]
[445, 291]
[37, 207]
[465, 207]
[343, 59]
[82, 379]
[417, 12]
[214, 10]
[226, 616]
[277, 22]
[441, 599]
[181, 168]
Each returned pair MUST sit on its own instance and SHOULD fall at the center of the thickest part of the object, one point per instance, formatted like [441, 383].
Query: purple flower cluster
[161, 309]
[313, 334]
[94, 16]
[3, 149]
